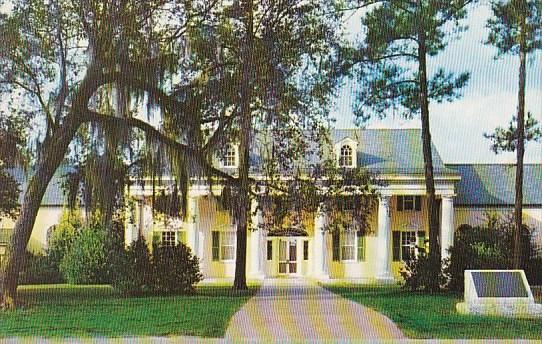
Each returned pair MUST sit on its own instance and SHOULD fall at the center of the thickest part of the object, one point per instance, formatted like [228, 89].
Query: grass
[434, 316]
[94, 311]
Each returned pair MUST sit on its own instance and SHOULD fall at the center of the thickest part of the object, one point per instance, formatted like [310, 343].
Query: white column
[191, 225]
[132, 230]
[383, 240]
[319, 256]
[256, 258]
[446, 225]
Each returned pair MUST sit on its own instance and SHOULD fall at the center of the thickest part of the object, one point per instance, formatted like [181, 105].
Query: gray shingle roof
[394, 151]
[494, 184]
[54, 195]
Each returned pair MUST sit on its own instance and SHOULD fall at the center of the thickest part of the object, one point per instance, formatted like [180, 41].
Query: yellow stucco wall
[47, 216]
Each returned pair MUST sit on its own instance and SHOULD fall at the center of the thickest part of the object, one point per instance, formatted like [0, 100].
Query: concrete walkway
[298, 310]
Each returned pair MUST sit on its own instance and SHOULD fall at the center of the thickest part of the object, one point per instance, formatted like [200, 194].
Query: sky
[488, 101]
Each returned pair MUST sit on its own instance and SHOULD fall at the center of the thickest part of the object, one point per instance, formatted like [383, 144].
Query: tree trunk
[520, 151]
[240, 281]
[53, 151]
[432, 211]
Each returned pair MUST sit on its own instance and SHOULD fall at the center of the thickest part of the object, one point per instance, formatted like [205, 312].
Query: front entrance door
[287, 256]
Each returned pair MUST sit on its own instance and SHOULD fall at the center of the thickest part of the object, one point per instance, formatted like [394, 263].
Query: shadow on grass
[89, 311]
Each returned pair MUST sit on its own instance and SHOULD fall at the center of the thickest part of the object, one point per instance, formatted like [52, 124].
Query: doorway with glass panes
[288, 264]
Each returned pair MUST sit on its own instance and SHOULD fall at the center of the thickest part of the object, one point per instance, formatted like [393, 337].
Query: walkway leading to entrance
[296, 309]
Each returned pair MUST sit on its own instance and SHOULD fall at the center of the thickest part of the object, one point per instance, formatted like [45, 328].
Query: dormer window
[230, 157]
[346, 156]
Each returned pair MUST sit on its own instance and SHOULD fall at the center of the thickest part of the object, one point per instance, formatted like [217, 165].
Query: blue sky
[489, 99]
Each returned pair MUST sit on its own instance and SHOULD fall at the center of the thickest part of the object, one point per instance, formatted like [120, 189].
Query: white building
[398, 225]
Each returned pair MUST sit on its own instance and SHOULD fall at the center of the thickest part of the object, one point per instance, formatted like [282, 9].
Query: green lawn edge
[64, 311]
[423, 316]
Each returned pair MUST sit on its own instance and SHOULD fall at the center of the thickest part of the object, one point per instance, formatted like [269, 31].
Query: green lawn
[88, 311]
[434, 316]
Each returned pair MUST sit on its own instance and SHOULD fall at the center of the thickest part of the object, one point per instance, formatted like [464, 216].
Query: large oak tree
[73, 51]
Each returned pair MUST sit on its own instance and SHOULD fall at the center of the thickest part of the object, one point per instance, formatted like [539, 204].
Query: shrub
[133, 271]
[175, 270]
[488, 247]
[62, 237]
[423, 274]
[39, 269]
[86, 261]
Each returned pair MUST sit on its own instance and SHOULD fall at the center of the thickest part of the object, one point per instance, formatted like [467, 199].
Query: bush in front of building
[39, 269]
[489, 247]
[86, 261]
[175, 270]
[168, 270]
[134, 273]
[422, 274]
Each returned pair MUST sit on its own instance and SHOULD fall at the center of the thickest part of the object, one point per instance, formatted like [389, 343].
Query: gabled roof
[494, 184]
[391, 151]
[54, 194]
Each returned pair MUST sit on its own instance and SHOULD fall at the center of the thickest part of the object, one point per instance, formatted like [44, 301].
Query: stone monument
[498, 293]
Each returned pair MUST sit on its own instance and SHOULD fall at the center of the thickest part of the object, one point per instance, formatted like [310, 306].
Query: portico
[397, 227]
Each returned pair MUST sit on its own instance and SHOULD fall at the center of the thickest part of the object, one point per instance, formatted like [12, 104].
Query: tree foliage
[79, 53]
[392, 67]
[387, 61]
[12, 148]
[516, 28]
[506, 139]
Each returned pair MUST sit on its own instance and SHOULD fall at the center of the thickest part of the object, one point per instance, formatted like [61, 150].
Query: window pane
[346, 156]
[348, 245]
[228, 253]
[227, 248]
[229, 157]
[408, 203]
[399, 203]
[348, 253]
[306, 250]
[168, 238]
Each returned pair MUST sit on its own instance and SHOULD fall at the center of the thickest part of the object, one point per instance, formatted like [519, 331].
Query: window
[407, 244]
[5, 235]
[348, 246]
[346, 157]
[227, 245]
[168, 238]
[223, 245]
[405, 203]
[230, 157]
[269, 250]
[305, 250]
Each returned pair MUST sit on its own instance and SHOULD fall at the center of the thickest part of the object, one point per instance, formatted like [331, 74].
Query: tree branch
[192, 154]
